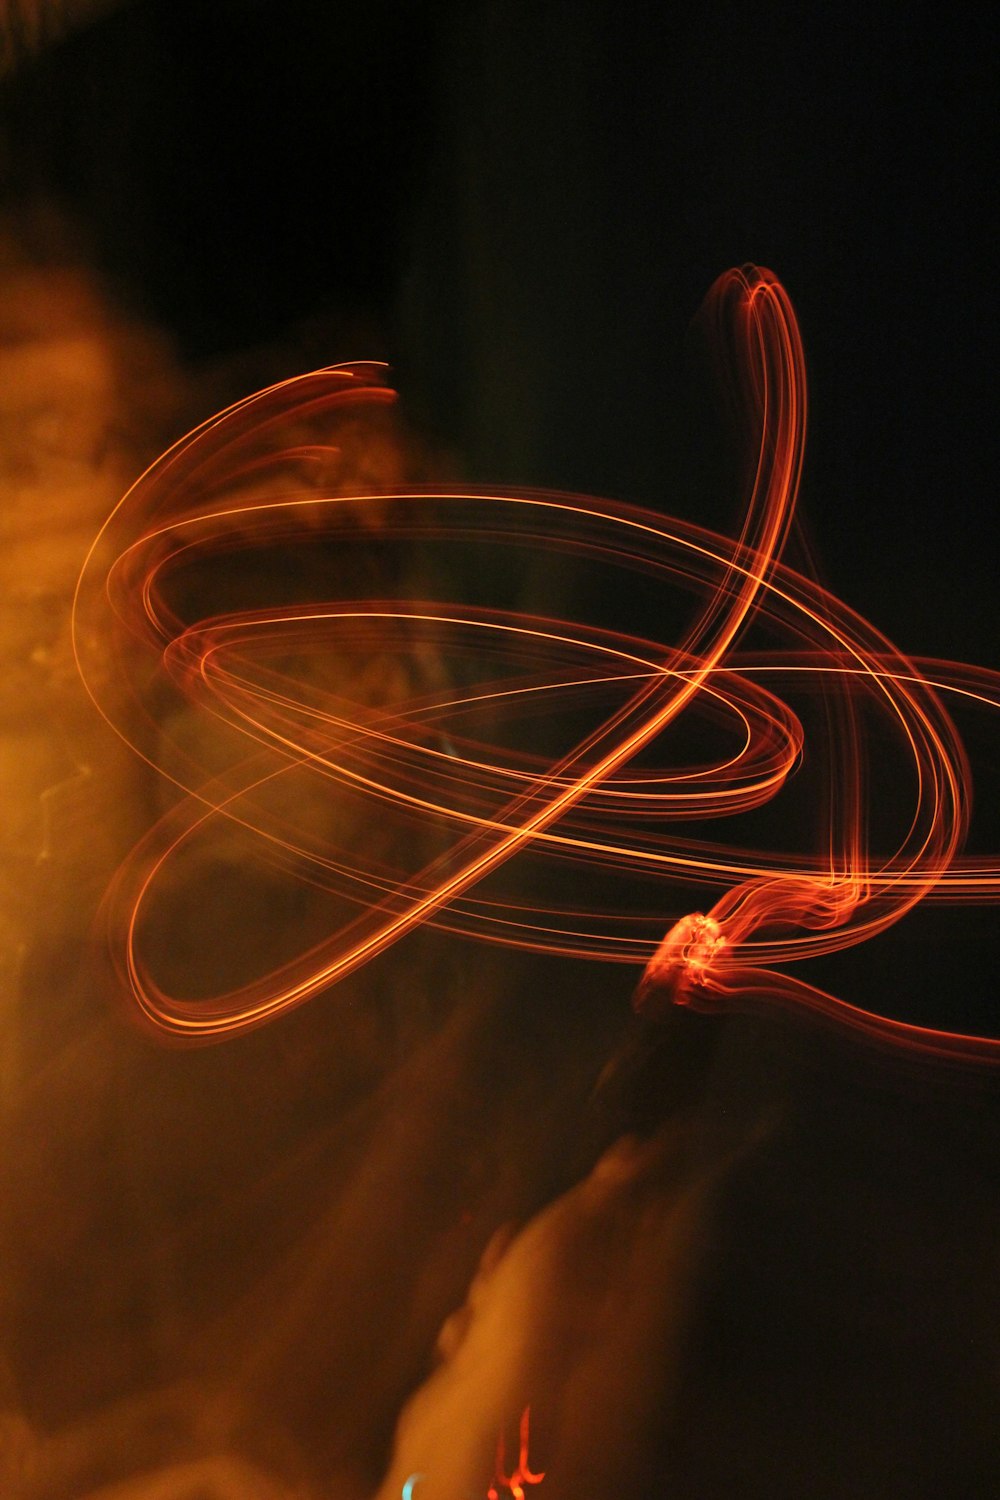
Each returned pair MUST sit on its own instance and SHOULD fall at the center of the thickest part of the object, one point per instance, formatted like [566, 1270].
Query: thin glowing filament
[249, 480]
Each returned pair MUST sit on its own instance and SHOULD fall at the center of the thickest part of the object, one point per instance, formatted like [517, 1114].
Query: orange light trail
[260, 477]
[513, 1484]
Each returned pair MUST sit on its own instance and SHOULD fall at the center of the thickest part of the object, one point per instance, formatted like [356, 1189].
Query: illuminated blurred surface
[226, 1270]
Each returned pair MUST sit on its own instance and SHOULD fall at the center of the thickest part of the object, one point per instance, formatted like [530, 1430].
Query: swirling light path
[266, 474]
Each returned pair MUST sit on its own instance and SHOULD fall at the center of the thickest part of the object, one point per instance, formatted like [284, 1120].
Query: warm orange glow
[521, 1474]
[263, 475]
[686, 959]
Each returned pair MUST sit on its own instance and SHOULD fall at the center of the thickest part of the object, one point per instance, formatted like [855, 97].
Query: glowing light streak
[248, 481]
[522, 1474]
[501, 1484]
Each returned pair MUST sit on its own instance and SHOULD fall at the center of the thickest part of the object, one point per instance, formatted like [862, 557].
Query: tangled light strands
[434, 757]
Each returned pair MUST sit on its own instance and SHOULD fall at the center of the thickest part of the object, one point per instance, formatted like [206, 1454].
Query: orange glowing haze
[452, 756]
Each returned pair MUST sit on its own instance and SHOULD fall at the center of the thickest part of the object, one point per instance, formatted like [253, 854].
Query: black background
[521, 207]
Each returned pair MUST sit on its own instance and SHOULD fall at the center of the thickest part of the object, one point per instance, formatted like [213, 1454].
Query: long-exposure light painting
[454, 760]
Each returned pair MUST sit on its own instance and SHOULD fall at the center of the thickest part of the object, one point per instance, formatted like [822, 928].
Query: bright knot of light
[684, 959]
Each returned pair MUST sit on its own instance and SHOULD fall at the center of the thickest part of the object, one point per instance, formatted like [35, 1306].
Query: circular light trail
[455, 752]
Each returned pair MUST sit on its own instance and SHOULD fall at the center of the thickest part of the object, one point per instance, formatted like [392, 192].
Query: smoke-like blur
[229, 1269]
[342, 1256]
[226, 1270]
